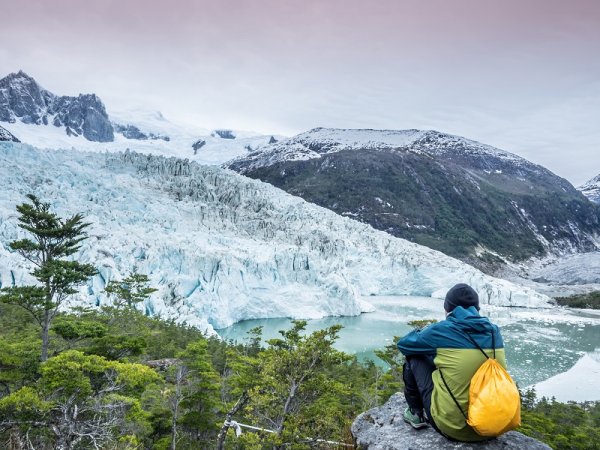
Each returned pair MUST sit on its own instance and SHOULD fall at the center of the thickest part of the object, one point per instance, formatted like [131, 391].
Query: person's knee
[420, 363]
[406, 372]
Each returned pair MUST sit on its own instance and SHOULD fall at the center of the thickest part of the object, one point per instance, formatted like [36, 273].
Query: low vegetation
[585, 301]
[563, 426]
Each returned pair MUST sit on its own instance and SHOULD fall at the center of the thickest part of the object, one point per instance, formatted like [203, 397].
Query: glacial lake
[539, 343]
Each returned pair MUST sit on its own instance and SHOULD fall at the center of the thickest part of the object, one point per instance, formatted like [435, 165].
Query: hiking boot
[414, 420]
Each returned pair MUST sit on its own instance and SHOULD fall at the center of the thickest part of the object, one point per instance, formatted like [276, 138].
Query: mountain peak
[22, 99]
[593, 182]
[19, 75]
[20, 80]
[591, 189]
[386, 138]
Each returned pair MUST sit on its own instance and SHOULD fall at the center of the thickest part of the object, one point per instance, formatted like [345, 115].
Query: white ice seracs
[220, 247]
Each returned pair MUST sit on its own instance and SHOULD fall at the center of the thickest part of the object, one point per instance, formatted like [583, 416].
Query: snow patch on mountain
[591, 189]
[164, 138]
[219, 247]
[322, 141]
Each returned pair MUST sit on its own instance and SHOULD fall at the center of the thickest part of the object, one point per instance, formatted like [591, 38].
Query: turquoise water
[539, 343]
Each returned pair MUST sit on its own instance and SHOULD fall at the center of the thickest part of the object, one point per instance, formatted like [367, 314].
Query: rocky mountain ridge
[6, 135]
[467, 199]
[318, 142]
[23, 99]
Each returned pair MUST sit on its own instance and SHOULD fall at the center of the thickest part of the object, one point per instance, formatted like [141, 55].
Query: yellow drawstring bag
[494, 401]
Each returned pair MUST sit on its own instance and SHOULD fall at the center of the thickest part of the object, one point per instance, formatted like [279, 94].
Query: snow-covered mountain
[220, 247]
[319, 142]
[5, 135]
[467, 199]
[45, 120]
[591, 189]
[198, 144]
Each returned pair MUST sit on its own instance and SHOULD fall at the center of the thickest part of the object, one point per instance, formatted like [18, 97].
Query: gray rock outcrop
[85, 115]
[198, 145]
[6, 135]
[22, 98]
[382, 428]
[223, 134]
[132, 132]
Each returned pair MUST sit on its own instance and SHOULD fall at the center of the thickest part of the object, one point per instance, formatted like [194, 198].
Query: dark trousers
[418, 384]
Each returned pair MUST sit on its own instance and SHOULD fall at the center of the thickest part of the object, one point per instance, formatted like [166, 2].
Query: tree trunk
[45, 336]
[14, 439]
[286, 409]
[179, 379]
[174, 422]
[223, 433]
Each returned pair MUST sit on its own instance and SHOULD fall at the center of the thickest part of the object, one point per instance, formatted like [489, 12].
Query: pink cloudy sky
[523, 75]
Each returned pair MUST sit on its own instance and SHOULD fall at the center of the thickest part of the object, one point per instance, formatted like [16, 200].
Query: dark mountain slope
[449, 193]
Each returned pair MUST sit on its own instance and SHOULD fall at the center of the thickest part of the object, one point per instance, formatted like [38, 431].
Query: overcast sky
[522, 75]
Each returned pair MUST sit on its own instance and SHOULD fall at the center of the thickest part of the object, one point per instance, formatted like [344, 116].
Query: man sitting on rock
[442, 358]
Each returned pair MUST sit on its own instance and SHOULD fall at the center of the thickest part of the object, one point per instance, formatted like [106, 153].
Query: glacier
[220, 247]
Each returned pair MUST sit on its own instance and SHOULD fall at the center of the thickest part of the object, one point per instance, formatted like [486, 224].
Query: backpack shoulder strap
[486, 357]
[479, 347]
[452, 395]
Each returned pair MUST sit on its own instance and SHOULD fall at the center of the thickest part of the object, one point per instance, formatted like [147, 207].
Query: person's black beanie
[461, 295]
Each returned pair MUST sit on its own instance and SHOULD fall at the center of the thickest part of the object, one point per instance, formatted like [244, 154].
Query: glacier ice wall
[220, 247]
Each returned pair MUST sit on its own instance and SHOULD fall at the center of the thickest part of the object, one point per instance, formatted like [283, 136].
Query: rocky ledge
[382, 428]
[6, 135]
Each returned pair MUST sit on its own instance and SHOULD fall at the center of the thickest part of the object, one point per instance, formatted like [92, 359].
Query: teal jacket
[457, 357]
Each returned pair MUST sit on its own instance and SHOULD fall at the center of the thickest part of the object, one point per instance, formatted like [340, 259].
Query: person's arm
[417, 342]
